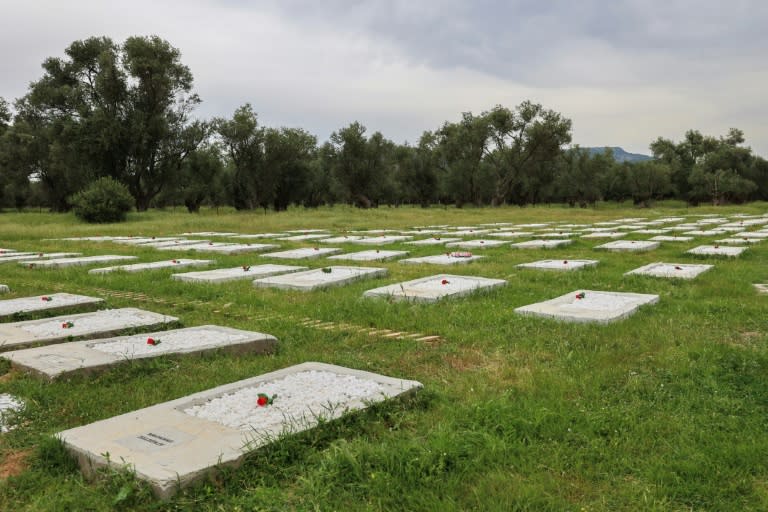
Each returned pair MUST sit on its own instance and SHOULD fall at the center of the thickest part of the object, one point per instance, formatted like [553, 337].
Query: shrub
[104, 200]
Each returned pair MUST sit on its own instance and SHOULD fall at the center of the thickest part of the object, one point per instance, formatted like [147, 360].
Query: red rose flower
[246, 268]
[151, 341]
[444, 281]
[565, 262]
[581, 295]
[678, 268]
[264, 400]
[174, 261]
[46, 298]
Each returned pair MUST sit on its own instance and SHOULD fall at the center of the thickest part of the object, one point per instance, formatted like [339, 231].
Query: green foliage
[104, 200]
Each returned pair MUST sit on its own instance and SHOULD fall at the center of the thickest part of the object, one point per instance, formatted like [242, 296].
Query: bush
[104, 200]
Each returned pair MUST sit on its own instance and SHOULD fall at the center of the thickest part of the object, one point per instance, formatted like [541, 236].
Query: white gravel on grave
[170, 342]
[301, 398]
[9, 405]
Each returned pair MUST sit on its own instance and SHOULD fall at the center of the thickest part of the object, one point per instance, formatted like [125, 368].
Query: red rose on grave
[264, 399]
[39, 255]
[152, 341]
[174, 261]
[246, 268]
[581, 295]
[565, 262]
[67, 325]
[210, 243]
[444, 281]
[46, 298]
[437, 238]
[678, 268]
[717, 247]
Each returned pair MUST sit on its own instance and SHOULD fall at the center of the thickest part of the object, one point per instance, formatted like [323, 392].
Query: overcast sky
[624, 71]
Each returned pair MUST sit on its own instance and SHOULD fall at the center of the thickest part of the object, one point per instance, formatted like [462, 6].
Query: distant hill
[620, 155]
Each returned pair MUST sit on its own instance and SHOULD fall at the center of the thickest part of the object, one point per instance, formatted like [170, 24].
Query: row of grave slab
[172, 444]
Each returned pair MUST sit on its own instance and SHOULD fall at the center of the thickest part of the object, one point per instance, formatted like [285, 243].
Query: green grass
[665, 410]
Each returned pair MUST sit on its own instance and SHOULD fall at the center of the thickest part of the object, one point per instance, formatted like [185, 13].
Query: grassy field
[666, 410]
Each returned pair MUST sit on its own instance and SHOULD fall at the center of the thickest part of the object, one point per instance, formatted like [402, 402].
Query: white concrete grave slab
[223, 248]
[176, 443]
[145, 240]
[450, 258]
[478, 244]
[9, 407]
[6, 250]
[5, 253]
[304, 253]
[738, 241]
[651, 231]
[534, 225]
[174, 243]
[95, 325]
[53, 361]
[154, 265]
[564, 264]
[541, 244]
[223, 275]
[210, 233]
[762, 288]
[256, 236]
[47, 303]
[340, 239]
[34, 256]
[605, 234]
[665, 238]
[555, 234]
[671, 270]
[307, 231]
[439, 240]
[372, 255]
[760, 235]
[319, 278]
[301, 238]
[589, 306]
[511, 234]
[731, 251]
[75, 262]
[629, 246]
[434, 288]
[382, 239]
[699, 232]
[466, 232]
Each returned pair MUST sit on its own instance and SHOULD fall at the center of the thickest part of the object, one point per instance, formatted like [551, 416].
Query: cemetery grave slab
[629, 246]
[605, 234]
[53, 302]
[154, 265]
[672, 270]
[738, 241]
[222, 275]
[761, 288]
[564, 264]
[319, 278]
[35, 256]
[300, 238]
[381, 240]
[478, 244]
[97, 324]
[434, 288]
[175, 443]
[304, 253]
[717, 250]
[54, 361]
[223, 248]
[340, 239]
[666, 238]
[373, 255]
[74, 262]
[451, 258]
[433, 241]
[541, 244]
[589, 306]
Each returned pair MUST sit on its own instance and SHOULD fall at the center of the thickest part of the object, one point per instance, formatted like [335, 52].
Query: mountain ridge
[619, 154]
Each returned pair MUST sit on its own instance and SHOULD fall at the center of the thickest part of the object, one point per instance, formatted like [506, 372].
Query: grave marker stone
[223, 275]
[589, 306]
[178, 442]
[97, 324]
[48, 303]
[319, 278]
[154, 265]
[434, 288]
[53, 361]
[74, 262]
[564, 264]
[672, 270]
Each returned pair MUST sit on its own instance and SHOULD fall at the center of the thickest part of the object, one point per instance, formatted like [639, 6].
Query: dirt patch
[14, 463]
